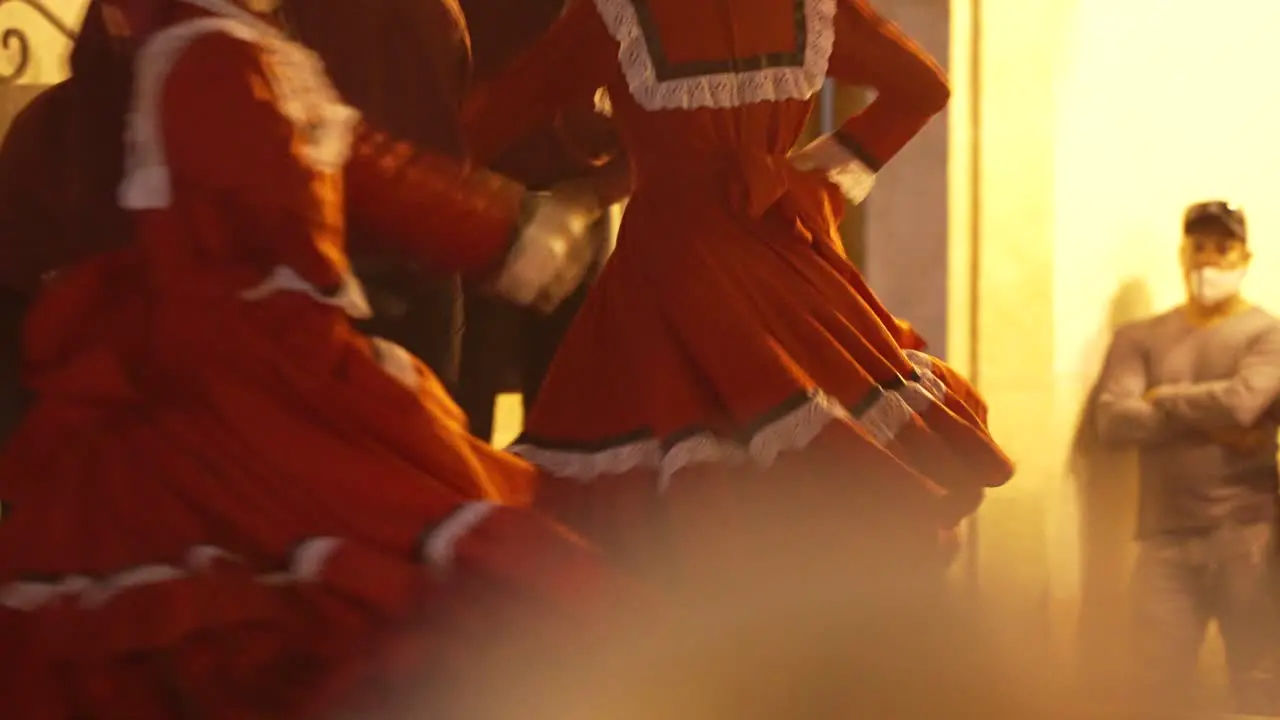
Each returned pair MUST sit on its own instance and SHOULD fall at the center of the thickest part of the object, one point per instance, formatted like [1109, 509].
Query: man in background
[1190, 390]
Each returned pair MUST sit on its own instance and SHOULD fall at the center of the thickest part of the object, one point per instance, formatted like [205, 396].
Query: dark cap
[1215, 217]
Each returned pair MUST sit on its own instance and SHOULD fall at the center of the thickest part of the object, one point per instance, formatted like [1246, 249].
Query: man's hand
[1245, 439]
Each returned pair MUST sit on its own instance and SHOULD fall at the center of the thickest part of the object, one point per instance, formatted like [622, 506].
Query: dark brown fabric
[579, 139]
[506, 348]
[60, 164]
[501, 30]
[405, 65]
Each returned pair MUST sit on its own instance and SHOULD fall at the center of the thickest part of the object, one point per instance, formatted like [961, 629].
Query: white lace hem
[306, 565]
[923, 363]
[720, 90]
[891, 411]
[842, 167]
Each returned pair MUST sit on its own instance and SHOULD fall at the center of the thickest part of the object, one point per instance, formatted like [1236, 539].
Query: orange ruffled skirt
[723, 362]
[225, 509]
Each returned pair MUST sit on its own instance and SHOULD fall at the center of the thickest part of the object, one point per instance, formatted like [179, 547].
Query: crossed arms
[1132, 411]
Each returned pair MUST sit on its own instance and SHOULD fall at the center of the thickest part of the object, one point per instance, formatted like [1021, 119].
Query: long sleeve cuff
[845, 167]
[430, 208]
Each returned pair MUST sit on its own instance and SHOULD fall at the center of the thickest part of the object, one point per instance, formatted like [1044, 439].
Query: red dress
[224, 495]
[729, 349]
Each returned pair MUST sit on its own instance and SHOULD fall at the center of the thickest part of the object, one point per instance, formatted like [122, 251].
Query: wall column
[904, 252]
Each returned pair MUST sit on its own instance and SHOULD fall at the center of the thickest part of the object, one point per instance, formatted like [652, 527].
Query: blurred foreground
[789, 626]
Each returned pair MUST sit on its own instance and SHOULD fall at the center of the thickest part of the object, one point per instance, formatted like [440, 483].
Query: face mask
[1213, 285]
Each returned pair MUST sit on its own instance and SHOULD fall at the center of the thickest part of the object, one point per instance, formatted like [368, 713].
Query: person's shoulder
[1263, 320]
[1143, 327]
[216, 46]
[1264, 315]
[202, 54]
[201, 64]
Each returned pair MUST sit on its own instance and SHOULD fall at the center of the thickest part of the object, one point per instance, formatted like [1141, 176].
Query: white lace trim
[884, 419]
[303, 91]
[350, 297]
[923, 363]
[722, 90]
[842, 167]
[397, 362]
[440, 546]
[306, 565]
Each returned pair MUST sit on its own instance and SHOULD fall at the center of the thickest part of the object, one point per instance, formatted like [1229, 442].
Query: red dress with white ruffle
[729, 349]
[224, 495]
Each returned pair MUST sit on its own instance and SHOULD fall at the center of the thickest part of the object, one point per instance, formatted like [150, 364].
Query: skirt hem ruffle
[881, 416]
[212, 632]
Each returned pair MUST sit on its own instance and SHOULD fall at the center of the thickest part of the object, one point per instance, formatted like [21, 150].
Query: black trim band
[666, 70]
[855, 149]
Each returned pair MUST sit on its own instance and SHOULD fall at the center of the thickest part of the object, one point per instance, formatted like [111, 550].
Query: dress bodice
[711, 96]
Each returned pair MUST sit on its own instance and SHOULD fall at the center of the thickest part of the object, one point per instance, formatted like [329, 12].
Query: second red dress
[730, 355]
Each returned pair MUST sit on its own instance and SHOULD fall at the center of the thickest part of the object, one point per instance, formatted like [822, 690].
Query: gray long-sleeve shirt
[1221, 376]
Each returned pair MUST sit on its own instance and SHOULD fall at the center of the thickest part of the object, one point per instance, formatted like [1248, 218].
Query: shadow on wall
[1106, 485]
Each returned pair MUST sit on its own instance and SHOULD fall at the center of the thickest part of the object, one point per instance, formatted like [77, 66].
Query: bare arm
[1124, 415]
[1233, 403]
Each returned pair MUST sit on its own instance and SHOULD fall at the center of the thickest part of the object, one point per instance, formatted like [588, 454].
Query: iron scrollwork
[15, 42]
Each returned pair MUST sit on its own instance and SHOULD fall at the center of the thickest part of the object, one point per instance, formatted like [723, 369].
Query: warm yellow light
[1163, 102]
[1100, 121]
